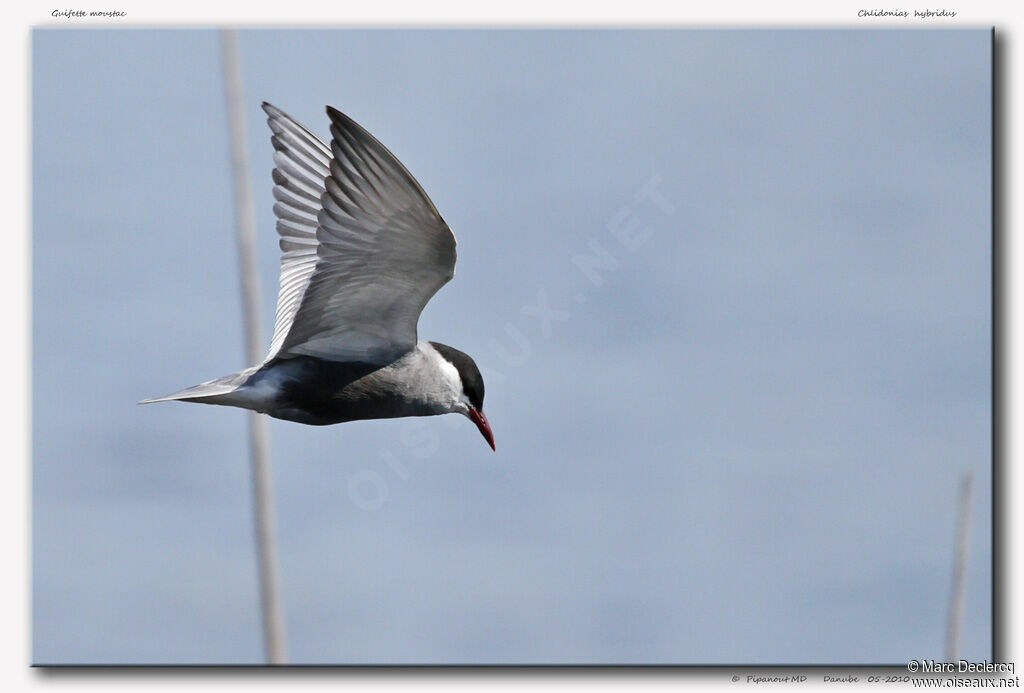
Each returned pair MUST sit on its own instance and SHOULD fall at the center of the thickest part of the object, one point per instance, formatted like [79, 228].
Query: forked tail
[209, 391]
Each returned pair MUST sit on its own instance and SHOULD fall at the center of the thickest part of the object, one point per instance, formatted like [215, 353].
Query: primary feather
[364, 247]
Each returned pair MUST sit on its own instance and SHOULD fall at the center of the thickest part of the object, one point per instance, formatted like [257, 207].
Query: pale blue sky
[743, 445]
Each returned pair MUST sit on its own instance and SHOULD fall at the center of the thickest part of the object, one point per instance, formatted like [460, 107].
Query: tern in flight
[363, 250]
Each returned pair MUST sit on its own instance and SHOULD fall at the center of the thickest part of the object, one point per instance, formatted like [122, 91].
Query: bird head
[469, 389]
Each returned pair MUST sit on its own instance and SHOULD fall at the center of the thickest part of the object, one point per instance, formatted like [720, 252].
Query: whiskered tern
[363, 250]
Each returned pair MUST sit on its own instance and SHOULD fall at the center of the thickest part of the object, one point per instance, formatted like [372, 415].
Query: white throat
[447, 384]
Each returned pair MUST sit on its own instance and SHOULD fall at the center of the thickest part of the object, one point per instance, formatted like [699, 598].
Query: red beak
[485, 428]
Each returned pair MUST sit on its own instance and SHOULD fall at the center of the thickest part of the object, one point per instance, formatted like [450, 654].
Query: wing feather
[364, 248]
[302, 162]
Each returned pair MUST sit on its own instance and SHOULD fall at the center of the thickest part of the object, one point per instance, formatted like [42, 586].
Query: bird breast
[320, 392]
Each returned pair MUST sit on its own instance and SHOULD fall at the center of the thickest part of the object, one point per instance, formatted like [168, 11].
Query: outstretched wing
[364, 248]
[302, 162]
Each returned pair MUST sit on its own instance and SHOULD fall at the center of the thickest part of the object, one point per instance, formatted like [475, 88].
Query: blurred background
[730, 292]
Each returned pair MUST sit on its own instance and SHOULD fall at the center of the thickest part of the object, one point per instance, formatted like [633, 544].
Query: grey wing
[302, 163]
[382, 250]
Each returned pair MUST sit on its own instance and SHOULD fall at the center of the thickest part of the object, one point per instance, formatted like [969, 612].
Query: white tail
[204, 392]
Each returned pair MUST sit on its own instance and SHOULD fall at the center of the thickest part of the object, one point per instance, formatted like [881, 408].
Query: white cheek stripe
[451, 373]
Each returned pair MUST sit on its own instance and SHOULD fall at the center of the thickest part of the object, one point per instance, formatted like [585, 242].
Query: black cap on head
[472, 381]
